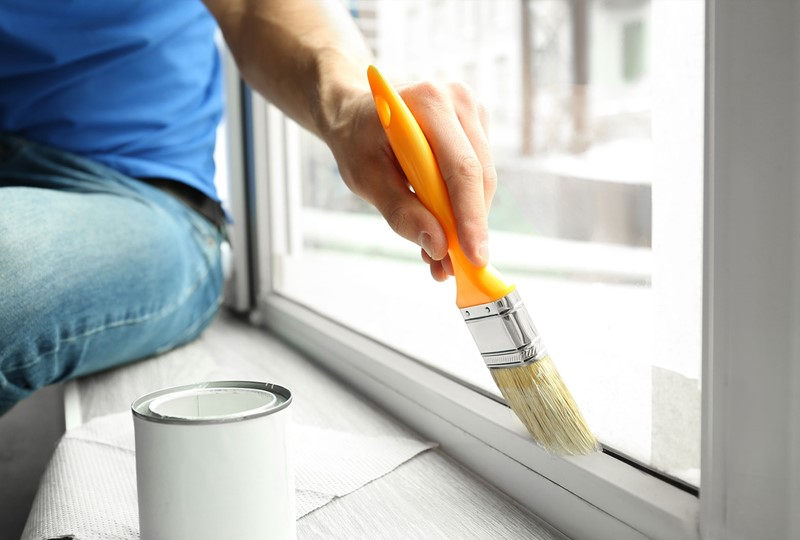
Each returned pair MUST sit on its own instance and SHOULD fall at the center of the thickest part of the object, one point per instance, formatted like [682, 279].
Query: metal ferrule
[504, 332]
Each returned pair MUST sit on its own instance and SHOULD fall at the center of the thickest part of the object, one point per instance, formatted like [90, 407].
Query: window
[619, 226]
[578, 222]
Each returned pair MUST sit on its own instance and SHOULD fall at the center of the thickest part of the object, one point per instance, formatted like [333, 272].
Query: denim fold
[97, 269]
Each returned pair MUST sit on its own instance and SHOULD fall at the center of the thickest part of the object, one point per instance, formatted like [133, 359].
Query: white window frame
[751, 377]
[751, 321]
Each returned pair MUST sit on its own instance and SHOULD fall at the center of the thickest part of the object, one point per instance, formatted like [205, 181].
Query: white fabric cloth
[88, 491]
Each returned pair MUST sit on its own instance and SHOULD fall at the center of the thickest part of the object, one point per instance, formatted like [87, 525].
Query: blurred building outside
[566, 84]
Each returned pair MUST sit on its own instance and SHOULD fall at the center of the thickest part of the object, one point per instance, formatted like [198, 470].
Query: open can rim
[140, 406]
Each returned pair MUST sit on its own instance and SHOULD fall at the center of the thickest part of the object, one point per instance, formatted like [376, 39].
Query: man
[109, 221]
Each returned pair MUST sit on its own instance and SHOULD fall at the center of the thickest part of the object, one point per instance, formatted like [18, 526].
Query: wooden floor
[429, 497]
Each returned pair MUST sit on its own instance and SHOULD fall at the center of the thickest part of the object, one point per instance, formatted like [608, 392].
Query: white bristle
[541, 400]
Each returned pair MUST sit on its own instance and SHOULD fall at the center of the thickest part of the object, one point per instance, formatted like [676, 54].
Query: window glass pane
[596, 128]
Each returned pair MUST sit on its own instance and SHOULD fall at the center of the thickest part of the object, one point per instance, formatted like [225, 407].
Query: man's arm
[308, 58]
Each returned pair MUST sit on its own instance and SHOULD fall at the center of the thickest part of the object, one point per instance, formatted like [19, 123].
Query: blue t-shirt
[133, 84]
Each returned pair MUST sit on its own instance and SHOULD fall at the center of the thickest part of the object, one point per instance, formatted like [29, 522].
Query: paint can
[213, 461]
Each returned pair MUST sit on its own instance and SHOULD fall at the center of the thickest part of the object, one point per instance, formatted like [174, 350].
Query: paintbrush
[492, 308]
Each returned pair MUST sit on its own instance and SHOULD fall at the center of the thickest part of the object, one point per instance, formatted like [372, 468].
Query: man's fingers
[406, 215]
[455, 126]
[474, 120]
[447, 264]
[458, 159]
[438, 271]
[379, 180]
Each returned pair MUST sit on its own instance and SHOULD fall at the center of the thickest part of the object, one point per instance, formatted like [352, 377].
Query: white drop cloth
[88, 491]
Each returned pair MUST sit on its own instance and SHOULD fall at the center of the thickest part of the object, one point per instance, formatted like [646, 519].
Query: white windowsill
[484, 435]
[446, 500]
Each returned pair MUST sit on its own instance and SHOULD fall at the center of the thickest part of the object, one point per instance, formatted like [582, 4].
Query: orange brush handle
[474, 285]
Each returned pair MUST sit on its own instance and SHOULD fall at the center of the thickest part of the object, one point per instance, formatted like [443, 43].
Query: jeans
[96, 269]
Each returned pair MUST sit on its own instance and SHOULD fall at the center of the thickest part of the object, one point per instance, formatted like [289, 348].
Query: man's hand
[455, 126]
[307, 58]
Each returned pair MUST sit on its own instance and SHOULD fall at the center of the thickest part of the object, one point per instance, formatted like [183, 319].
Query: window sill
[592, 497]
[430, 491]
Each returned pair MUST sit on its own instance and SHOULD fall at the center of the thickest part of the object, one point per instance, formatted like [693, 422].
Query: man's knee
[34, 285]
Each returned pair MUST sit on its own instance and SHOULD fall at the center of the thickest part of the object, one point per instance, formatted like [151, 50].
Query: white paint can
[213, 461]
